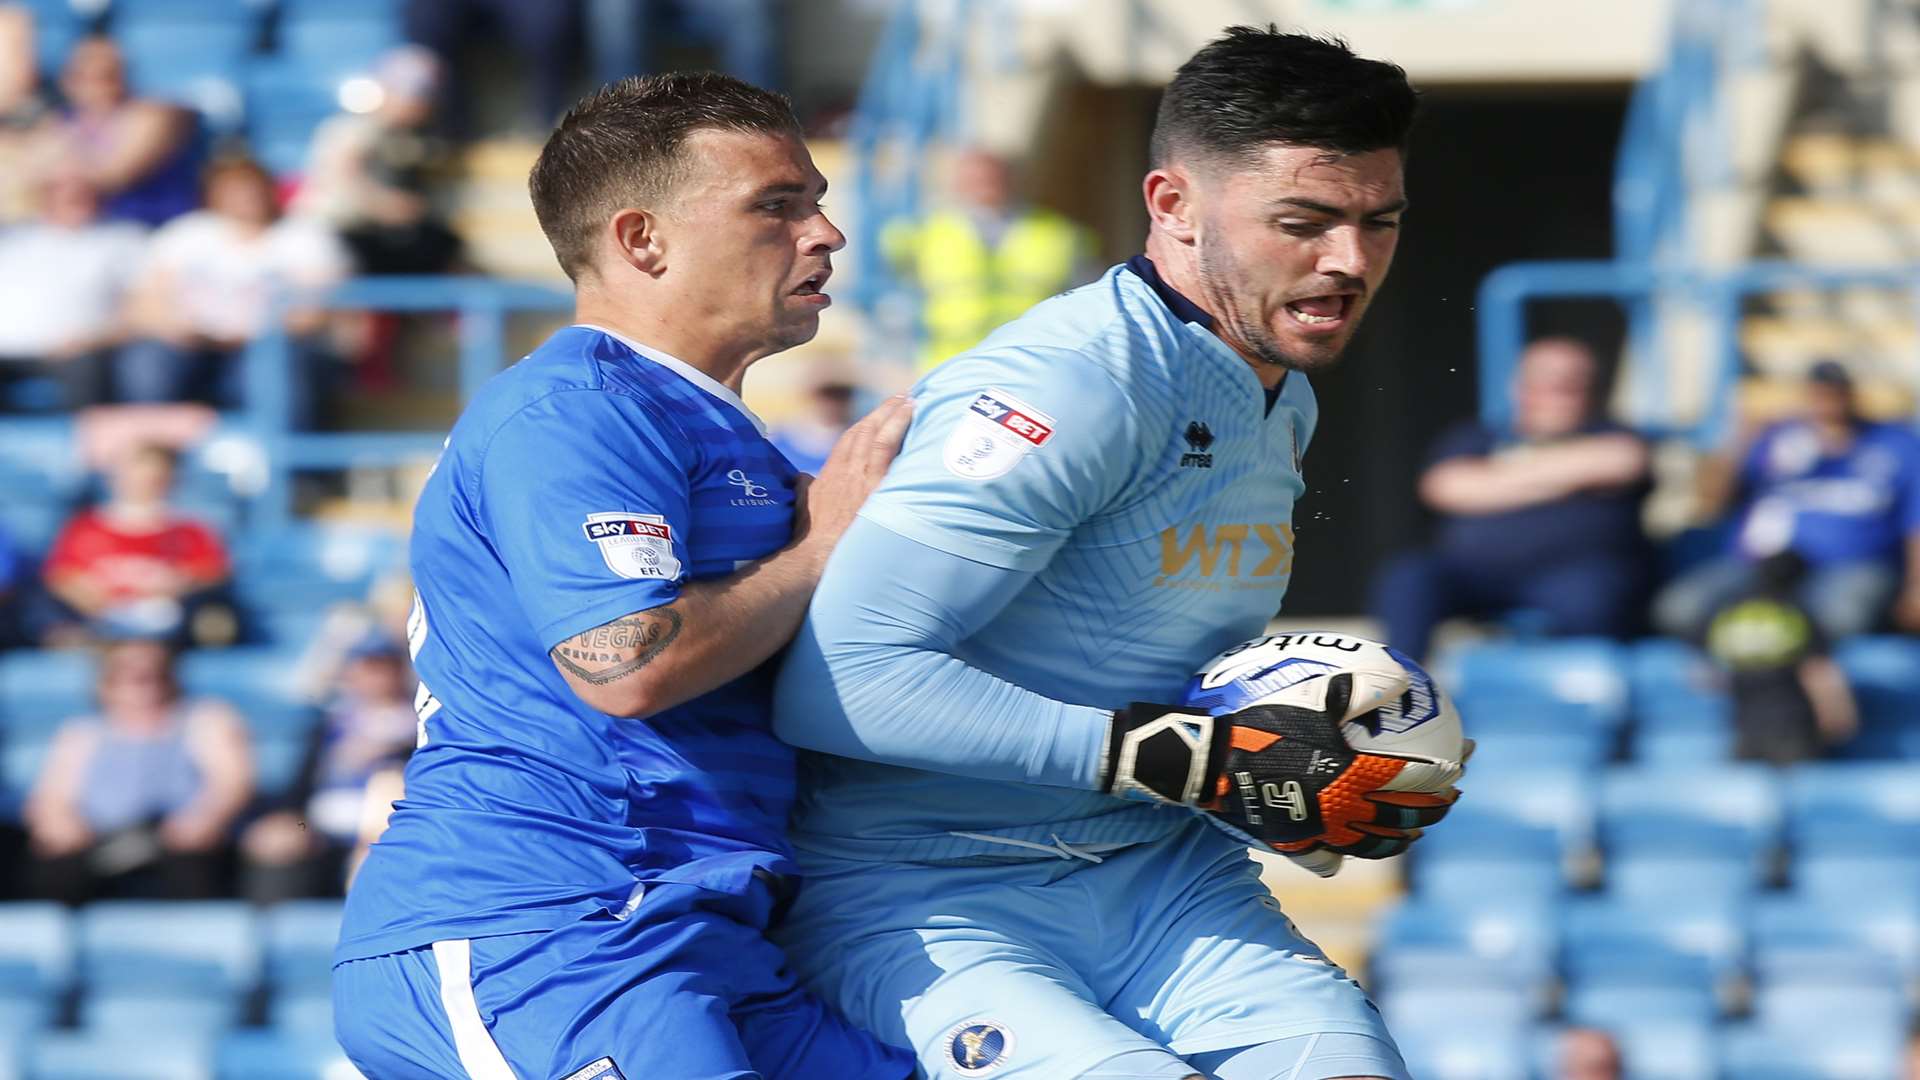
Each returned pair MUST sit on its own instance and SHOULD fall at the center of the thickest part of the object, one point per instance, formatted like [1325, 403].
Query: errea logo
[1199, 444]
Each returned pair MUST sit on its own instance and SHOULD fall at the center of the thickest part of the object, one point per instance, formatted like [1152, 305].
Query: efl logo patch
[604, 1069]
[996, 432]
[634, 545]
[979, 1047]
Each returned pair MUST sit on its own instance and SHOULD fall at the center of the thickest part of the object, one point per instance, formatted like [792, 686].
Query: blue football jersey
[587, 482]
[1110, 445]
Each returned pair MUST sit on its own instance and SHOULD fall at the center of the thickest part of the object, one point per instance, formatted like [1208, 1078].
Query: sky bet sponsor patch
[634, 545]
[604, 1069]
[996, 432]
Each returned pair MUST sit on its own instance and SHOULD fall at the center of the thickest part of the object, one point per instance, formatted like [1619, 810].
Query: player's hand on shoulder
[826, 504]
[1281, 777]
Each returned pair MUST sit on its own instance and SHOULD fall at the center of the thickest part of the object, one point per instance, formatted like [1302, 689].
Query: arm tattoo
[612, 652]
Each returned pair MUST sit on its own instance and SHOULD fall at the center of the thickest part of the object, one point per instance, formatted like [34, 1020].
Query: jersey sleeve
[584, 497]
[1009, 452]
[872, 674]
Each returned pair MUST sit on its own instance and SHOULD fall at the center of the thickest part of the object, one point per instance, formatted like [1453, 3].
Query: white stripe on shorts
[478, 1053]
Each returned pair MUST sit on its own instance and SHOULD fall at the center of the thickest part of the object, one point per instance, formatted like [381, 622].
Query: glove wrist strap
[1164, 753]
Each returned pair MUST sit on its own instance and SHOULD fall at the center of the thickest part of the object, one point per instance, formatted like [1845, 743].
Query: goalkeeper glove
[1282, 776]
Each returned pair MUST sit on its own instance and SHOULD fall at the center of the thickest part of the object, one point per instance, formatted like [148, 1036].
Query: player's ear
[635, 236]
[1169, 195]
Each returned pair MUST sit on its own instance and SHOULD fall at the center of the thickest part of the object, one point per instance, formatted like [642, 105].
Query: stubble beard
[1218, 273]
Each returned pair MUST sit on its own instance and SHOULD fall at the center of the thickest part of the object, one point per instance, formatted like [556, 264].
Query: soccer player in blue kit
[1007, 860]
[578, 880]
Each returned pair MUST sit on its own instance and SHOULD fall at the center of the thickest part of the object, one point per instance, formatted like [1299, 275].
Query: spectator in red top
[133, 567]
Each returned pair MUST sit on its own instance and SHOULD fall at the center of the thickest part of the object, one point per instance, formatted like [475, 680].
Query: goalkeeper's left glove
[1281, 776]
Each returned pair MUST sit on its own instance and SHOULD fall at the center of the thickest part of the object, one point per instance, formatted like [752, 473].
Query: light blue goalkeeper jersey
[1121, 469]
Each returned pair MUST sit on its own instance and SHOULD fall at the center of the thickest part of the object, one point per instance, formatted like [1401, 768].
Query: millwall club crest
[634, 545]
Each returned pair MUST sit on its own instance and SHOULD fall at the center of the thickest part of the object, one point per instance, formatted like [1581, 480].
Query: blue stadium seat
[41, 445]
[1806, 938]
[21, 756]
[22, 1016]
[310, 567]
[1440, 1052]
[203, 947]
[300, 936]
[1673, 687]
[1885, 675]
[1815, 1007]
[1672, 942]
[1636, 876]
[1465, 876]
[1583, 675]
[1729, 813]
[137, 1010]
[1504, 943]
[345, 39]
[1616, 1007]
[1854, 807]
[282, 1055]
[286, 100]
[1512, 749]
[1658, 1049]
[36, 949]
[1848, 873]
[245, 675]
[1559, 801]
[40, 688]
[140, 1054]
[1511, 834]
[1755, 1052]
[302, 1011]
[1473, 1007]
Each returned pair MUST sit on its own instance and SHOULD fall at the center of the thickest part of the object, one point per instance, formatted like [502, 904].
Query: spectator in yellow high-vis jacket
[984, 259]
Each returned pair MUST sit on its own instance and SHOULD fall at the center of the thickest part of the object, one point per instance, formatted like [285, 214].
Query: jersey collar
[1176, 301]
[686, 371]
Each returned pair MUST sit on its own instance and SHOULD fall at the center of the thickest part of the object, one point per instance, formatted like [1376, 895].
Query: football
[1396, 710]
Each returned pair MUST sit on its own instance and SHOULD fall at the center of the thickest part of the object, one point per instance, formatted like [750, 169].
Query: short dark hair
[621, 145]
[1251, 87]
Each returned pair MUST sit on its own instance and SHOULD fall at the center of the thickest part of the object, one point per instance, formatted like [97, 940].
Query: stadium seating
[208, 948]
[1681, 715]
[282, 1055]
[1885, 675]
[139, 1054]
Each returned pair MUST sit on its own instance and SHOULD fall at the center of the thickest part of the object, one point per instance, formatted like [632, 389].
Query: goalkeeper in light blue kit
[1090, 504]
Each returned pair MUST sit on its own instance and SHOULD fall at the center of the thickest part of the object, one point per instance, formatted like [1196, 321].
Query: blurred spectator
[140, 799]
[345, 626]
[372, 175]
[985, 259]
[62, 276]
[1588, 1054]
[543, 34]
[1544, 518]
[1790, 700]
[209, 286]
[806, 439]
[300, 848]
[24, 108]
[133, 567]
[1839, 491]
[143, 156]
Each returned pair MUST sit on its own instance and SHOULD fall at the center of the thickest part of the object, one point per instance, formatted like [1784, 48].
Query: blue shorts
[686, 986]
[1164, 959]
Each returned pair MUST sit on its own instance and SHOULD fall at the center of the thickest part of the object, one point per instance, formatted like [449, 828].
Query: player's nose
[1343, 253]
[822, 237]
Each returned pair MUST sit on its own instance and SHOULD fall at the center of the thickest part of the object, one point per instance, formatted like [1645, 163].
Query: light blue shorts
[1162, 960]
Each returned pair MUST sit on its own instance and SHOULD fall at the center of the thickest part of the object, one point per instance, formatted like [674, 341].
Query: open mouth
[814, 283]
[1321, 311]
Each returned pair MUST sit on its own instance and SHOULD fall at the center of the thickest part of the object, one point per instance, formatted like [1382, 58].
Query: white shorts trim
[479, 1055]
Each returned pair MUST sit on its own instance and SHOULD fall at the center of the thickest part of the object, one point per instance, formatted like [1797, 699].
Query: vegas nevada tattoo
[607, 653]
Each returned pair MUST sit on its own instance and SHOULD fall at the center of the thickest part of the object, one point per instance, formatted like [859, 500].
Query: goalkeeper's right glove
[1281, 776]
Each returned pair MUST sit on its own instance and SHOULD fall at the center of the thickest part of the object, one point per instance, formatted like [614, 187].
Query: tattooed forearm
[612, 652]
